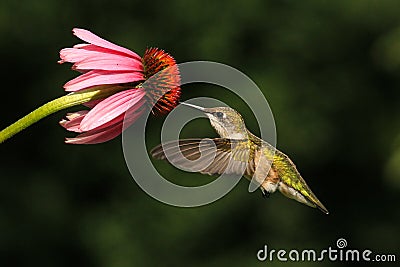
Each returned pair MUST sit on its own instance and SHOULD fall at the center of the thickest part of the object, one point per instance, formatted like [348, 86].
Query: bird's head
[225, 120]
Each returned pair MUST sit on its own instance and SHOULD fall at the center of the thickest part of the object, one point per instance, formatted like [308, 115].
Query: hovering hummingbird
[239, 151]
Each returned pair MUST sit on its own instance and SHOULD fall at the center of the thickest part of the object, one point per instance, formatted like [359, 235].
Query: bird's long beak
[194, 106]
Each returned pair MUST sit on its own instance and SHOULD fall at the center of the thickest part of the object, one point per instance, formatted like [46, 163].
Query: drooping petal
[95, 48]
[86, 60]
[129, 116]
[112, 107]
[100, 77]
[73, 121]
[89, 37]
[96, 136]
[105, 134]
[109, 62]
[75, 55]
[93, 103]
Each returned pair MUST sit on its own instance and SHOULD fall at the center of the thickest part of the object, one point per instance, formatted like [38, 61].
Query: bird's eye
[219, 114]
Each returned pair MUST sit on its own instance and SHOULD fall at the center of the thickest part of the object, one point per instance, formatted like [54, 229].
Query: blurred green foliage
[330, 71]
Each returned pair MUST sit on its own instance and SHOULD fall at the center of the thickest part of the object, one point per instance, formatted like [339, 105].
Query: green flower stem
[72, 99]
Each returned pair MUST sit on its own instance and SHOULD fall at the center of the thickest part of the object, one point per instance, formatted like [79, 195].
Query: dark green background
[330, 71]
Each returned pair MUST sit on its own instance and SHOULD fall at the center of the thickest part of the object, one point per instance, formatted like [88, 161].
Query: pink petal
[109, 62]
[96, 136]
[116, 120]
[74, 55]
[102, 135]
[112, 107]
[85, 45]
[95, 48]
[89, 37]
[86, 59]
[92, 103]
[73, 121]
[100, 77]
[129, 116]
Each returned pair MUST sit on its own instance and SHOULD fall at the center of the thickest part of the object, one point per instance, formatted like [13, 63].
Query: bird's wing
[208, 156]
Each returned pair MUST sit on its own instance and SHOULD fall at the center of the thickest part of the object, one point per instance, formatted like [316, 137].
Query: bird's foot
[265, 194]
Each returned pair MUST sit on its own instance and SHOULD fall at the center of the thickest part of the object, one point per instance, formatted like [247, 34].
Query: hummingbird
[239, 151]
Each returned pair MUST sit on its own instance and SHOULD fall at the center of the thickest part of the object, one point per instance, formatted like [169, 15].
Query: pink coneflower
[104, 65]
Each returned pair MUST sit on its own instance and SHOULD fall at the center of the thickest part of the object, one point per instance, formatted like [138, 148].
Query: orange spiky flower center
[162, 77]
